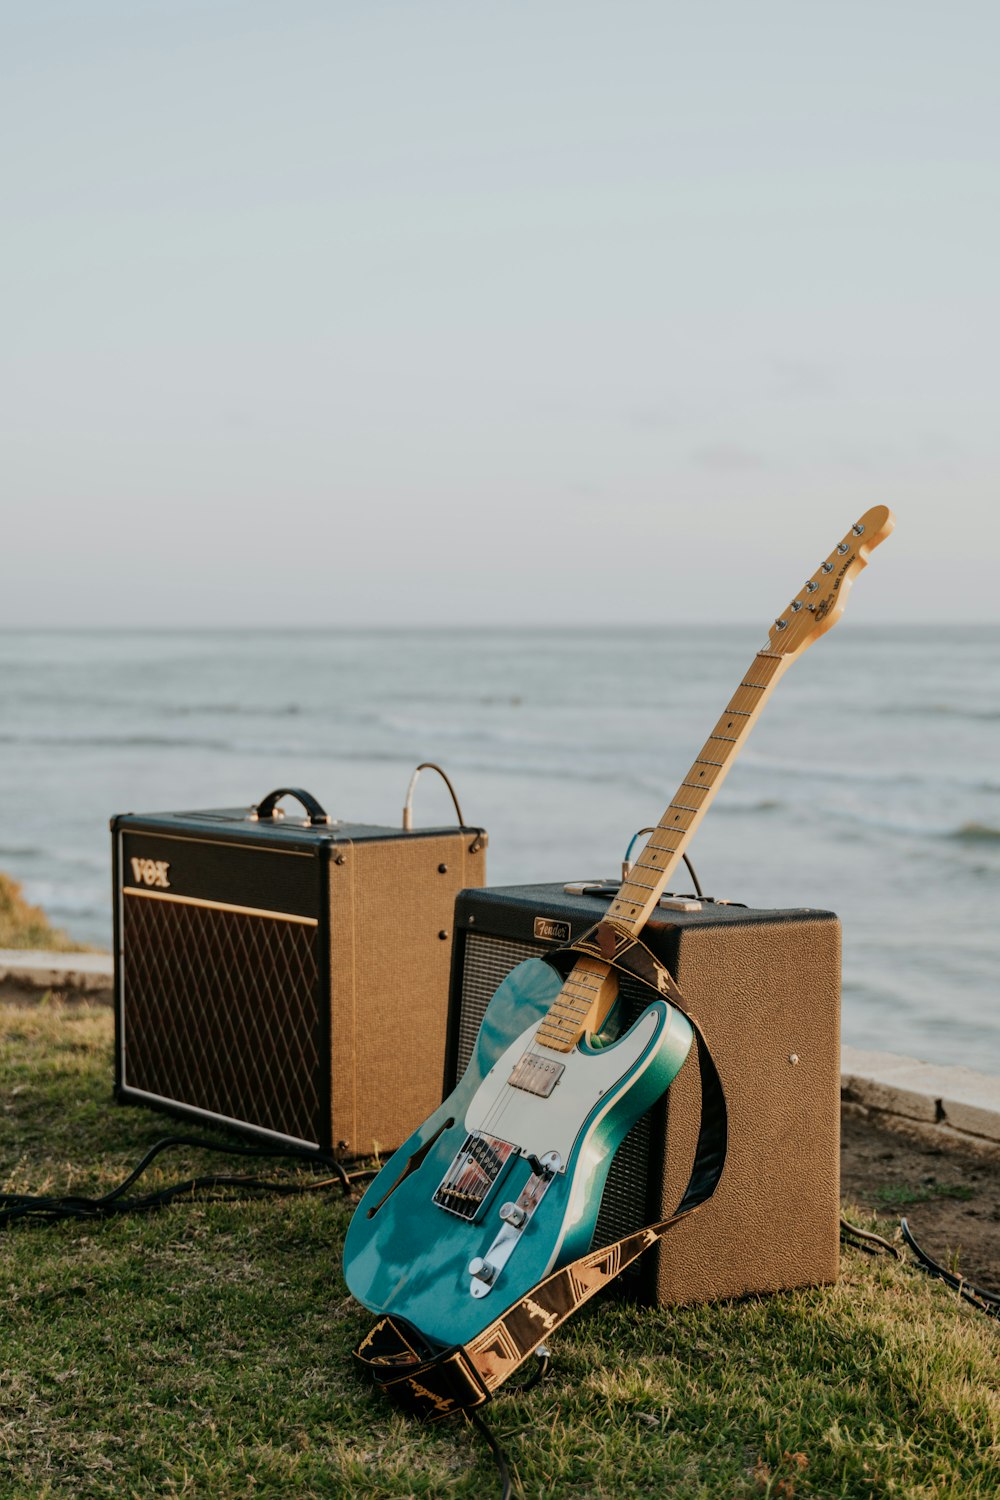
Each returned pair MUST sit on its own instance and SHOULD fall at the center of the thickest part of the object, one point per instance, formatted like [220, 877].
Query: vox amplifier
[765, 986]
[286, 975]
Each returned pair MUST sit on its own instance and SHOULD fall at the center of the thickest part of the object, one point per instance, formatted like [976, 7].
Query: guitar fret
[698, 786]
[640, 883]
[684, 807]
[702, 762]
[760, 686]
[731, 739]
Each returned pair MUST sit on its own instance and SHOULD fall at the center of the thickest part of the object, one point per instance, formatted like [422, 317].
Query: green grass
[205, 1351]
[900, 1195]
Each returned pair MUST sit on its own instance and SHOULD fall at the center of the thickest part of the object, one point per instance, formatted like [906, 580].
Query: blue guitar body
[503, 1183]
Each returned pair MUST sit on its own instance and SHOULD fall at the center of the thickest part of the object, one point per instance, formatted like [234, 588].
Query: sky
[460, 313]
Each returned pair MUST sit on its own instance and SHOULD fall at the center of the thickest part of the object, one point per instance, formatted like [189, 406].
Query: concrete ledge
[27, 972]
[954, 1102]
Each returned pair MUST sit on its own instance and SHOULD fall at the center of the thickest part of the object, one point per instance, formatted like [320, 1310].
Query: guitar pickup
[536, 1075]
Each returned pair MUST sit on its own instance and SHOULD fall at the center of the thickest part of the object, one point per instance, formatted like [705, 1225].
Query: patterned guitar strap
[431, 1385]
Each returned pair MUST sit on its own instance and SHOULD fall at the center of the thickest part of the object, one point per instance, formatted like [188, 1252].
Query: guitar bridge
[469, 1180]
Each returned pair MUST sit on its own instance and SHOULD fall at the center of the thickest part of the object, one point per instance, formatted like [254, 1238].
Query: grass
[205, 1351]
[899, 1195]
[25, 926]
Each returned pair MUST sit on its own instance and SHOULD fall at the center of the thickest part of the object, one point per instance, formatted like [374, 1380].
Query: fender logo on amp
[151, 872]
[552, 930]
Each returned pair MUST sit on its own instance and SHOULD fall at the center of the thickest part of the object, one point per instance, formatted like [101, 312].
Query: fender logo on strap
[441, 1404]
[548, 1320]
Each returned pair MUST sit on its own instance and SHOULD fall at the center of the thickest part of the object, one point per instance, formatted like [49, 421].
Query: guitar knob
[512, 1214]
[482, 1270]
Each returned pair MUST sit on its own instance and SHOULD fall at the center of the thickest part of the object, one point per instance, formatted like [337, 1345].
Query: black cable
[14, 1206]
[866, 1240]
[499, 1457]
[697, 884]
[544, 1359]
[541, 1370]
[987, 1302]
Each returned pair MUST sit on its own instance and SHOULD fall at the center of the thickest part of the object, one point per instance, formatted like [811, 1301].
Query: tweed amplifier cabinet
[765, 986]
[284, 974]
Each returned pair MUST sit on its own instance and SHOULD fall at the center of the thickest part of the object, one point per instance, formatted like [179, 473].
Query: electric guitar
[503, 1183]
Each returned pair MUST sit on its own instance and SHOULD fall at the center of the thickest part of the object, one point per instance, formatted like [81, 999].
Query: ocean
[870, 786]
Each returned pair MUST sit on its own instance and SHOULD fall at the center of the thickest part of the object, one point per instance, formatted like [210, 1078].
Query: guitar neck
[587, 995]
[649, 876]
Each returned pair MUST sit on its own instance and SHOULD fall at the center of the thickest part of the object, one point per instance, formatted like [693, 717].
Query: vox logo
[151, 872]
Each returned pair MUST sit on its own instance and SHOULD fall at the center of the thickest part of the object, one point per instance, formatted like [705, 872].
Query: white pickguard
[538, 1125]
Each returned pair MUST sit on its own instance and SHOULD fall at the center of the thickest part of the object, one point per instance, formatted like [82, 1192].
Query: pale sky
[444, 311]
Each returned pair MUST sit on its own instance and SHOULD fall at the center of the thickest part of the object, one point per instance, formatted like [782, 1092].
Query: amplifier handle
[266, 810]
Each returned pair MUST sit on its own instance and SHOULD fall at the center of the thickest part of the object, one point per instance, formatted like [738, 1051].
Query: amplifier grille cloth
[221, 1011]
[486, 963]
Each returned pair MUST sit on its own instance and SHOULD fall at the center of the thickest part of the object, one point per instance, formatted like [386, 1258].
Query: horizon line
[518, 627]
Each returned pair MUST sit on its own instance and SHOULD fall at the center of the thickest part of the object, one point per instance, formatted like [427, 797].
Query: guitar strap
[432, 1385]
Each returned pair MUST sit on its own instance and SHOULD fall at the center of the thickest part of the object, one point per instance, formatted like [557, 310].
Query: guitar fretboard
[649, 875]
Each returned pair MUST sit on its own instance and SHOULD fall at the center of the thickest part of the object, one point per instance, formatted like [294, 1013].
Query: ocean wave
[118, 741]
[922, 710]
[861, 776]
[874, 823]
[974, 833]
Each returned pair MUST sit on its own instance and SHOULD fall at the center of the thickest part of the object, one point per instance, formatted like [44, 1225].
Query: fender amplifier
[286, 975]
[765, 986]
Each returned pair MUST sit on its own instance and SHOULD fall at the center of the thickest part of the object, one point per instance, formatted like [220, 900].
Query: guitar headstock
[820, 603]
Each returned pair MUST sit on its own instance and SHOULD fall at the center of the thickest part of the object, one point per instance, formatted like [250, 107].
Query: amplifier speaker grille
[221, 1013]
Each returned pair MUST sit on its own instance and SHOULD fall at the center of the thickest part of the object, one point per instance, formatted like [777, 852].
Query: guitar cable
[51, 1209]
[544, 1358]
[984, 1301]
